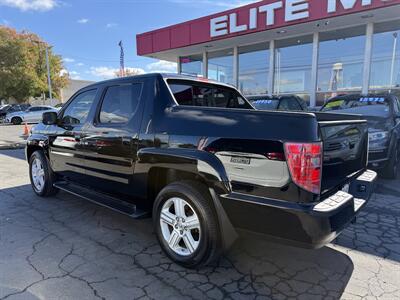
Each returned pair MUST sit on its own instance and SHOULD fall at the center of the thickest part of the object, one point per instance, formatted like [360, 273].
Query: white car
[31, 115]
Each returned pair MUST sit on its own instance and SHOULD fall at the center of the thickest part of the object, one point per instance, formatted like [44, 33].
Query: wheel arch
[16, 117]
[36, 143]
[182, 164]
[165, 166]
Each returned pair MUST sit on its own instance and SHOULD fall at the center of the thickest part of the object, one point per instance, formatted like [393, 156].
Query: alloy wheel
[180, 226]
[38, 176]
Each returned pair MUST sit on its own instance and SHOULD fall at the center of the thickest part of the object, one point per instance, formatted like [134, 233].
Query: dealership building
[315, 49]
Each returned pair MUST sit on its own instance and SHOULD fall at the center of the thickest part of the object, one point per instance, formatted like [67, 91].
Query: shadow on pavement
[64, 237]
[18, 153]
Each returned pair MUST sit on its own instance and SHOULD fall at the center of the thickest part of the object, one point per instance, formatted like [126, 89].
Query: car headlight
[378, 136]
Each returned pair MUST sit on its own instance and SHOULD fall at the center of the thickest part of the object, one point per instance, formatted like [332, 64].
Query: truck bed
[248, 133]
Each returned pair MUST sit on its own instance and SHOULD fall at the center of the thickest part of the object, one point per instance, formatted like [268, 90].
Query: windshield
[4, 108]
[194, 93]
[368, 106]
[271, 104]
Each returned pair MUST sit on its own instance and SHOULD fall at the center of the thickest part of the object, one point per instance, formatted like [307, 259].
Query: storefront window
[385, 67]
[220, 66]
[293, 59]
[341, 61]
[253, 69]
[192, 65]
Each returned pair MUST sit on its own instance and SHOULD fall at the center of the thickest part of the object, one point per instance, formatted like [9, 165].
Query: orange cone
[26, 130]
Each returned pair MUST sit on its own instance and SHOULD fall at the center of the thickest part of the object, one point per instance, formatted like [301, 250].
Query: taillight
[275, 156]
[305, 165]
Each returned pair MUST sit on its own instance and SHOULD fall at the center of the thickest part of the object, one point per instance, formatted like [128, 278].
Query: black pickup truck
[197, 157]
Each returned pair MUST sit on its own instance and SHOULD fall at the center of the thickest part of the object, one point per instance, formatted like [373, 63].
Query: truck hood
[378, 123]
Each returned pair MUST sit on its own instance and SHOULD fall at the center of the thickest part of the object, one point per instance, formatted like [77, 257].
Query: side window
[78, 110]
[120, 103]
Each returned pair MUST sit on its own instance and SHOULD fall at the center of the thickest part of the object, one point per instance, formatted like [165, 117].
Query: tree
[129, 72]
[23, 72]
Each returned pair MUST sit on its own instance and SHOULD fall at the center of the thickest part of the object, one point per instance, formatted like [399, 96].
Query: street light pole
[48, 69]
[393, 60]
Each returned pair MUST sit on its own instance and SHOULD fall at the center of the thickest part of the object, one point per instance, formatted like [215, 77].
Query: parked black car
[204, 163]
[283, 103]
[383, 115]
[12, 108]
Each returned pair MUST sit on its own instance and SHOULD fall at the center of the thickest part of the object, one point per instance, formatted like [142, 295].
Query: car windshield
[194, 93]
[14, 109]
[266, 104]
[368, 106]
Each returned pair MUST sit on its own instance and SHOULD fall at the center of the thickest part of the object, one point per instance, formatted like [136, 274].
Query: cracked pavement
[67, 248]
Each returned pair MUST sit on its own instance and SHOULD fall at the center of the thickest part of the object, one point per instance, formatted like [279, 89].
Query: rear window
[369, 106]
[206, 95]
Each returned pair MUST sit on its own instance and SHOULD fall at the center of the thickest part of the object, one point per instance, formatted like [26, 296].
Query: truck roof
[166, 76]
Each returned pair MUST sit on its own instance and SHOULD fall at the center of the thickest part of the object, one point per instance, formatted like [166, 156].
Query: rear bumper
[306, 225]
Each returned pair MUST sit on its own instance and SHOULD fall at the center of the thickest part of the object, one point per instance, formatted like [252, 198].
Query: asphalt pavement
[67, 248]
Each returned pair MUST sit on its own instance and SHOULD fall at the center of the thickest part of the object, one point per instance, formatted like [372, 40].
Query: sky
[86, 33]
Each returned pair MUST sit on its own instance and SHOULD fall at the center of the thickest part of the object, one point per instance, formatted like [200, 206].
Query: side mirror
[49, 118]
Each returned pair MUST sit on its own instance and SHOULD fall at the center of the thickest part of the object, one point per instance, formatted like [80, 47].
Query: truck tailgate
[345, 145]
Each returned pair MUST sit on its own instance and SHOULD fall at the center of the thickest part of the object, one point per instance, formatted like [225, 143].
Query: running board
[101, 199]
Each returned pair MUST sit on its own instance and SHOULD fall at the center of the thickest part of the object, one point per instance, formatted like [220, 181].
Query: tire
[392, 167]
[204, 239]
[41, 176]
[16, 121]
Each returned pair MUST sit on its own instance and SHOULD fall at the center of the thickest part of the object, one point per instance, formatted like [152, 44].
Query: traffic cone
[26, 130]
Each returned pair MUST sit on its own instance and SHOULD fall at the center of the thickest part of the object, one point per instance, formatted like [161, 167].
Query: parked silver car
[31, 115]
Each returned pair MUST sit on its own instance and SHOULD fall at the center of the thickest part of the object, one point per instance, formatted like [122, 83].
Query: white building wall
[72, 87]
